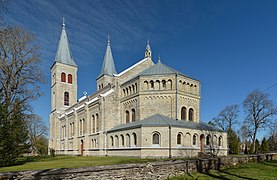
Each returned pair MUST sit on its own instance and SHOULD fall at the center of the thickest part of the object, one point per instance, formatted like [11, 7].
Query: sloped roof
[108, 67]
[159, 69]
[63, 54]
[159, 120]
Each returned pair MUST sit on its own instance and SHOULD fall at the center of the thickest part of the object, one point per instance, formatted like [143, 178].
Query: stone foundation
[153, 170]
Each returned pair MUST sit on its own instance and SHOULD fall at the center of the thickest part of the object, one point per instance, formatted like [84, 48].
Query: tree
[264, 146]
[227, 117]
[37, 131]
[233, 142]
[20, 76]
[42, 145]
[259, 110]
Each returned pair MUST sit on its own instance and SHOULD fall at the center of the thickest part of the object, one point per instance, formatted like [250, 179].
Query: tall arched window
[179, 139]
[156, 138]
[116, 141]
[127, 116]
[93, 124]
[111, 141]
[63, 77]
[208, 140]
[66, 98]
[133, 115]
[191, 114]
[220, 141]
[194, 140]
[97, 122]
[128, 140]
[69, 79]
[184, 113]
[135, 139]
[122, 140]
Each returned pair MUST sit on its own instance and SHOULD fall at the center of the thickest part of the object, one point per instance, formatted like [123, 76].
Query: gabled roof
[159, 69]
[63, 54]
[159, 120]
[108, 67]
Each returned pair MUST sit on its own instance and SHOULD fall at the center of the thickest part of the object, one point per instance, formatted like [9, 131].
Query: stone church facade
[147, 110]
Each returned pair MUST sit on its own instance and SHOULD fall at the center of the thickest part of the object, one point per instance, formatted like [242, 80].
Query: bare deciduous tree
[227, 117]
[259, 110]
[20, 74]
[36, 130]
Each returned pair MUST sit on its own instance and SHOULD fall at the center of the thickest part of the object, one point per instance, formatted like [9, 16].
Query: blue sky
[230, 45]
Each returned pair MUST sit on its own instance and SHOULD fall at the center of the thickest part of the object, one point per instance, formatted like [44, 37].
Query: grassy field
[69, 162]
[264, 170]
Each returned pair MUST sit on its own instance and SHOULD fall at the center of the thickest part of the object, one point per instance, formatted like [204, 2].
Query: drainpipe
[176, 83]
[169, 129]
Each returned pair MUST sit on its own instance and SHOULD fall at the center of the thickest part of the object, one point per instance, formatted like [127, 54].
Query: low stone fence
[153, 170]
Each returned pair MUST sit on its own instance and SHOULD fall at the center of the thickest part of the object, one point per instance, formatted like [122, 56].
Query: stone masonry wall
[153, 170]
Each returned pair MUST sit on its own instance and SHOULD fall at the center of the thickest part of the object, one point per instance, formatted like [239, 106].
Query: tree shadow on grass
[215, 176]
[271, 163]
[238, 176]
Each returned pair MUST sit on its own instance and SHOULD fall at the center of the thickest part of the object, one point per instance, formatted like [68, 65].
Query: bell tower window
[69, 78]
[66, 98]
[63, 77]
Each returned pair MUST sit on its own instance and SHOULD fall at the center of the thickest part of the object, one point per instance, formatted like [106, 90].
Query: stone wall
[153, 170]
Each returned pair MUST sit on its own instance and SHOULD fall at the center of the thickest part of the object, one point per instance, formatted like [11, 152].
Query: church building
[147, 110]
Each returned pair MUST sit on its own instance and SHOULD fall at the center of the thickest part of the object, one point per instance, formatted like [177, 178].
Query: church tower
[63, 86]
[64, 76]
[108, 69]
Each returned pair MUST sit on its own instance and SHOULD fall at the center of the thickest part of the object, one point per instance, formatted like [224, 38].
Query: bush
[52, 152]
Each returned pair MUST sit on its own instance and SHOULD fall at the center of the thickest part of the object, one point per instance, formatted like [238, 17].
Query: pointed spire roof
[108, 67]
[63, 54]
[148, 48]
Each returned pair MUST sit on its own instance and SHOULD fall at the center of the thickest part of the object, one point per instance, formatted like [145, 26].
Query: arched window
[146, 85]
[164, 84]
[128, 140]
[124, 93]
[97, 122]
[111, 141]
[184, 113]
[156, 138]
[66, 98]
[116, 141]
[208, 140]
[127, 116]
[220, 141]
[93, 124]
[122, 140]
[194, 140]
[84, 126]
[151, 84]
[133, 115]
[63, 77]
[69, 78]
[179, 139]
[135, 139]
[191, 114]
[169, 84]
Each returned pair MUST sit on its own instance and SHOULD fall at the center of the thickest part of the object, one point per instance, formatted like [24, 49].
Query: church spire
[148, 52]
[63, 54]
[108, 67]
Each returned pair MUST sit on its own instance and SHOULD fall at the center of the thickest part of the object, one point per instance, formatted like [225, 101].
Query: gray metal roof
[108, 67]
[63, 54]
[159, 120]
[159, 69]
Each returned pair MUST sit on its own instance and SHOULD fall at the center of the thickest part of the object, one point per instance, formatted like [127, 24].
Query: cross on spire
[63, 19]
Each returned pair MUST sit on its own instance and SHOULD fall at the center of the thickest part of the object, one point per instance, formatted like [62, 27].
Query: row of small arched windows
[187, 140]
[158, 85]
[133, 116]
[69, 78]
[130, 90]
[119, 141]
[188, 87]
[190, 113]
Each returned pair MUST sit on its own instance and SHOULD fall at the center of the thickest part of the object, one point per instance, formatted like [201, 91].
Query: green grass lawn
[69, 162]
[263, 170]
